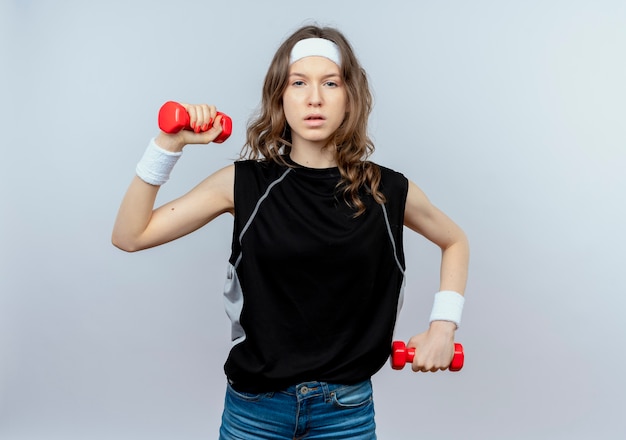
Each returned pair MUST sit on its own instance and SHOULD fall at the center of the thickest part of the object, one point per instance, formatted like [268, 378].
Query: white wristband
[448, 306]
[156, 164]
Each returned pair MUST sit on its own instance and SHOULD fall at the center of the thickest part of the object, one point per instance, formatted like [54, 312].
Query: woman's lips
[314, 120]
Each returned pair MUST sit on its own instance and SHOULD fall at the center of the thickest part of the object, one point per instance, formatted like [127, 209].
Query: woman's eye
[331, 84]
[298, 83]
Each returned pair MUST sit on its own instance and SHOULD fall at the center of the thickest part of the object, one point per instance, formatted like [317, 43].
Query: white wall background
[509, 114]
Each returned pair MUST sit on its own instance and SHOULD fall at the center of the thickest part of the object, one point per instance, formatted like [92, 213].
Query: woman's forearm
[134, 215]
[454, 265]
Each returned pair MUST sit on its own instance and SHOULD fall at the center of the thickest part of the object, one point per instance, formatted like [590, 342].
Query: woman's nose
[315, 96]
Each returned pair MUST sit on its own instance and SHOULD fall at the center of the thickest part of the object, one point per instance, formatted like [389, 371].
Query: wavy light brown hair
[269, 136]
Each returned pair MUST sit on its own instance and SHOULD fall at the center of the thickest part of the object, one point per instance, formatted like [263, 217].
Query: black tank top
[312, 291]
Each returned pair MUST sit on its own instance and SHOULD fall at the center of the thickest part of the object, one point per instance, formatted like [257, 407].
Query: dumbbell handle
[173, 118]
[401, 355]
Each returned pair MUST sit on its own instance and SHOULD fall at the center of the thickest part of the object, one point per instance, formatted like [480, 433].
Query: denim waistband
[307, 390]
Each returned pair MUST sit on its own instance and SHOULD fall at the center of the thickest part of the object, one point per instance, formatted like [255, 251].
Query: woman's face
[314, 101]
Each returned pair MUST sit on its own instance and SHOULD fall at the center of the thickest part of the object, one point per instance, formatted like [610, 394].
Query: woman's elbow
[124, 244]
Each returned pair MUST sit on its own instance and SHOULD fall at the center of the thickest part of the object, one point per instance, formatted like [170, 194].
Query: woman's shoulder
[391, 176]
[256, 164]
[259, 170]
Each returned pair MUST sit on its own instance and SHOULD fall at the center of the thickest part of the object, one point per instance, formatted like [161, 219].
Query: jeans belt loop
[327, 394]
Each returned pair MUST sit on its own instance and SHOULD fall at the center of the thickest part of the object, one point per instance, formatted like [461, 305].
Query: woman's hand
[434, 348]
[201, 116]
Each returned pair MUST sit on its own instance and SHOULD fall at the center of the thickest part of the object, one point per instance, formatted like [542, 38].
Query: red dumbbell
[173, 118]
[401, 355]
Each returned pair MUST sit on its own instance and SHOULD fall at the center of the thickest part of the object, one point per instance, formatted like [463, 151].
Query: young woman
[317, 266]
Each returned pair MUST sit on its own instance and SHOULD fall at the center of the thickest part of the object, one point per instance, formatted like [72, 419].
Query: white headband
[315, 47]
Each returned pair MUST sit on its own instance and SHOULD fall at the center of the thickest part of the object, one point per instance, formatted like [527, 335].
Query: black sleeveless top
[312, 291]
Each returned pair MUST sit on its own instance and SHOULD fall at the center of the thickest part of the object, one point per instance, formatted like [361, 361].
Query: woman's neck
[313, 156]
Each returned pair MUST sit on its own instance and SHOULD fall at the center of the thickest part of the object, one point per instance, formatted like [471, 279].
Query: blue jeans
[310, 410]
